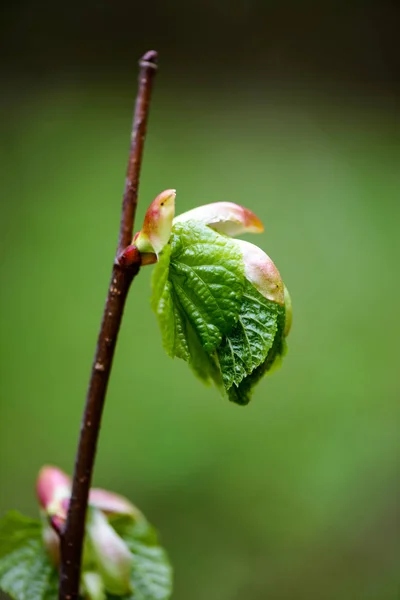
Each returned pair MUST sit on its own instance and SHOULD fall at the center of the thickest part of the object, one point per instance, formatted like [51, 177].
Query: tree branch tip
[149, 59]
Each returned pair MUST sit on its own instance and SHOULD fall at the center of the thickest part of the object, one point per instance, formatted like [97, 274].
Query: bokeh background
[291, 109]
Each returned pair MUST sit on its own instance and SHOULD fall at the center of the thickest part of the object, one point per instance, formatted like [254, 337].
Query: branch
[121, 279]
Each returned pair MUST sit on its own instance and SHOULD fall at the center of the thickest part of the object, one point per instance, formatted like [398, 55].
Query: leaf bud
[157, 224]
[110, 553]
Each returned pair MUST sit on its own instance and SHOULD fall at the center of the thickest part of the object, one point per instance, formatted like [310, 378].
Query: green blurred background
[291, 110]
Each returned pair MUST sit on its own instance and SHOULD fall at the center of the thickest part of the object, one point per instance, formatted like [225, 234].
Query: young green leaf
[199, 280]
[152, 573]
[220, 307]
[241, 394]
[15, 530]
[26, 572]
[249, 342]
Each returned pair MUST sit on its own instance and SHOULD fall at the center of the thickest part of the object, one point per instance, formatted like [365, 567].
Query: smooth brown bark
[121, 279]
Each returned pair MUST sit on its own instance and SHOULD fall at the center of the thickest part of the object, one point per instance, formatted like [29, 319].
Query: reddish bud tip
[130, 256]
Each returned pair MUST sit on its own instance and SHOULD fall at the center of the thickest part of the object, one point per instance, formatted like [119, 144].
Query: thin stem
[121, 279]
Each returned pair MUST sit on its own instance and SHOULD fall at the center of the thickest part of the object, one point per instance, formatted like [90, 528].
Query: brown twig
[121, 279]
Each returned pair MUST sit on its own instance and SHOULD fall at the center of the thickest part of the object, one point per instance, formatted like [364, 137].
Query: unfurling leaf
[203, 283]
[220, 302]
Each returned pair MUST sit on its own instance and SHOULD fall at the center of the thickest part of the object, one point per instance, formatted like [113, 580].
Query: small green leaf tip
[220, 302]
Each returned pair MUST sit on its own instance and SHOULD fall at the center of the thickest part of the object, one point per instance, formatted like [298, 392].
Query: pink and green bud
[224, 217]
[53, 489]
[107, 561]
[261, 272]
[157, 224]
[52, 486]
[110, 553]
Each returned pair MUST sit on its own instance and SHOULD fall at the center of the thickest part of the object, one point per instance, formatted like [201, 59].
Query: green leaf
[241, 394]
[211, 316]
[204, 365]
[173, 323]
[199, 280]
[25, 569]
[15, 530]
[152, 573]
[248, 344]
[160, 276]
